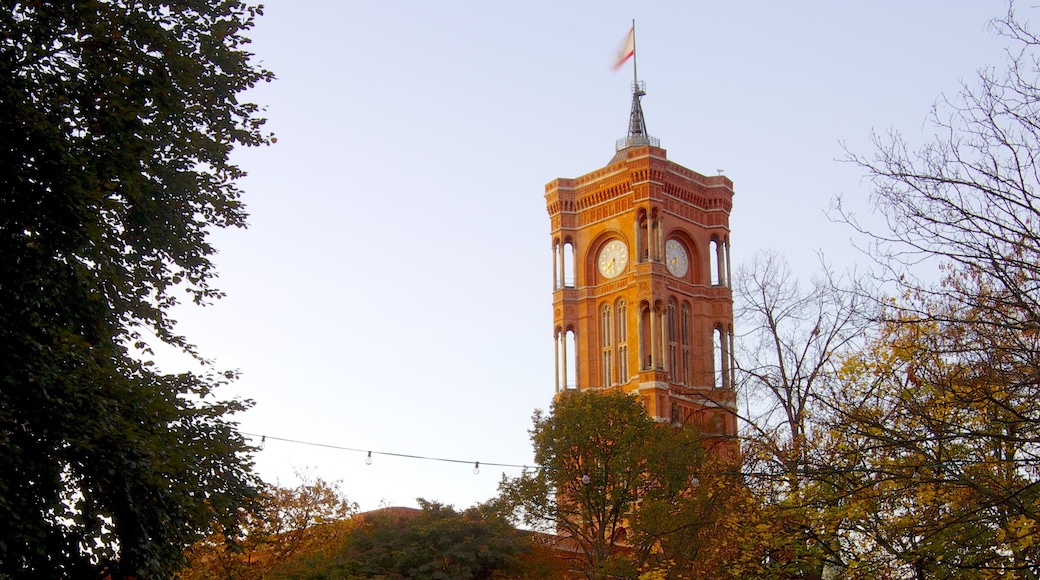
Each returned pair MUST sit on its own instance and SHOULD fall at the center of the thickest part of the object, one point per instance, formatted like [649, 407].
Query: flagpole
[635, 76]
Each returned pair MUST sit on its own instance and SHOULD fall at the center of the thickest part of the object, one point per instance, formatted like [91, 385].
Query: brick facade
[653, 314]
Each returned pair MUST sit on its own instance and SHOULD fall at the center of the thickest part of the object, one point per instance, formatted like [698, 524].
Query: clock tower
[642, 299]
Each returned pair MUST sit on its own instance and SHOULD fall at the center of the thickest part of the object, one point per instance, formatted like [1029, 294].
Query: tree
[789, 354]
[968, 202]
[117, 119]
[788, 360]
[939, 453]
[308, 521]
[967, 198]
[614, 482]
[952, 402]
[435, 541]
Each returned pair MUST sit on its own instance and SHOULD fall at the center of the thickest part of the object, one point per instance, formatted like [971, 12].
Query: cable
[370, 453]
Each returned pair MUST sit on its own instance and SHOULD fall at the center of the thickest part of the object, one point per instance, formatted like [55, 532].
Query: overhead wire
[370, 453]
[477, 464]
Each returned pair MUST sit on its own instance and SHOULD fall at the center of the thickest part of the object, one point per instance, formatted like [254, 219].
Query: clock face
[675, 258]
[613, 258]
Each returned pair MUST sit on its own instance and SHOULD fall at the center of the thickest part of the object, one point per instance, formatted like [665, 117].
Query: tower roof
[637, 134]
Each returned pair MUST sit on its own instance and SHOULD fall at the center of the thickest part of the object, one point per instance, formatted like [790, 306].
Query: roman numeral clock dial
[675, 258]
[613, 258]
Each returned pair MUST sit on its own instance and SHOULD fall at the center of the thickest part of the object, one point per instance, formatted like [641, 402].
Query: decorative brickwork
[668, 328]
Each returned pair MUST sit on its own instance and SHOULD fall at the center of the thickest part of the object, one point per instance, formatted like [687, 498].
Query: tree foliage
[939, 462]
[789, 354]
[619, 486]
[117, 119]
[936, 429]
[436, 541]
[308, 521]
[967, 201]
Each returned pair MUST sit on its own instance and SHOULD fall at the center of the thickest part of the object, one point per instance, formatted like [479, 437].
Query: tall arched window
[728, 270]
[655, 238]
[557, 344]
[566, 360]
[606, 333]
[722, 345]
[684, 329]
[570, 362]
[732, 361]
[642, 238]
[557, 284]
[567, 262]
[622, 341]
[646, 329]
[714, 252]
[673, 342]
[717, 356]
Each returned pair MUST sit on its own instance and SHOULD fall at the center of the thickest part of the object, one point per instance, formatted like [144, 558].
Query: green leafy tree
[435, 541]
[117, 119]
[612, 481]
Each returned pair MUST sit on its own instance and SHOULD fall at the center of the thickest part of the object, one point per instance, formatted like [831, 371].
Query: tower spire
[637, 134]
[636, 121]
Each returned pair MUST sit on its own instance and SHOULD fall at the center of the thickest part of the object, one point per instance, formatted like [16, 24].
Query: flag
[628, 48]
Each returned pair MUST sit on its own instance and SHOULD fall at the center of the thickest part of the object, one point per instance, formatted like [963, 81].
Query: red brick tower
[642, 299]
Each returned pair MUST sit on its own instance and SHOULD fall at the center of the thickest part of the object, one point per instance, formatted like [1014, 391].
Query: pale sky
[393, 291]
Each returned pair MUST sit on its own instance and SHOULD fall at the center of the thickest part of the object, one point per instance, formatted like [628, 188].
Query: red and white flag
[628, 48]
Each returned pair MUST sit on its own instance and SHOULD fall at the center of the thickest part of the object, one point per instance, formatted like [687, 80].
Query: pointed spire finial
[637, 134]
[636, 121]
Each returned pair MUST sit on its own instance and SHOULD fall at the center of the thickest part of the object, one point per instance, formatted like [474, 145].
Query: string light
[369, 454]
[695, 481]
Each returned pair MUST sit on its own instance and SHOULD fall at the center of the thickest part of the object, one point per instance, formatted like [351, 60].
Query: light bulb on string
[586, 479]
[476, 468]
[368, 460]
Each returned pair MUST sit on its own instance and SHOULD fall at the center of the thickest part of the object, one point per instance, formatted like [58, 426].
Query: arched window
[722, 346]
[684, 329]
[642, 238]
[570, 365]
[717, 358]
[646, 326]
[714, 253]
[606, 334]
[673, 342]
[732, 361]
[622, 341]
[566, 367]
[557, 278]
[557, 343]
[718, 259]
[568, 264]
[655, 238]
[728, 270]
